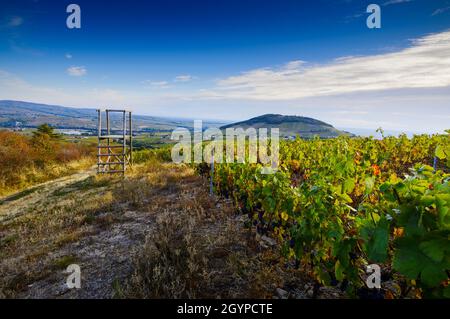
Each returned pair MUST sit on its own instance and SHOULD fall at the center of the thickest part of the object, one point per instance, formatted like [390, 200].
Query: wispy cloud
[156, 84]
[440, 10]
[184, 78]
[15, 21]
[10, 22]
[388, 3]
[167, 84]
[353, 16]
[77, 71]
[15, 88]
[68, 56]
[425, 64]
[19, 48]
[361, 14]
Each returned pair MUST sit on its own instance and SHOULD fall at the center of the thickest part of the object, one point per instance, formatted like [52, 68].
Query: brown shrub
[25, 160]
[15, 154]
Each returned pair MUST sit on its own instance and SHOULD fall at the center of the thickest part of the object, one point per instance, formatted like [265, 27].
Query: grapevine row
[338, 205]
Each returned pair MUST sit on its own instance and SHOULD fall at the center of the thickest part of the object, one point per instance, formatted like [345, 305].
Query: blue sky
[235, 59]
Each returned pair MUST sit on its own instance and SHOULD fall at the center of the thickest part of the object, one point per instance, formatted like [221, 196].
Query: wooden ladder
[114, 151]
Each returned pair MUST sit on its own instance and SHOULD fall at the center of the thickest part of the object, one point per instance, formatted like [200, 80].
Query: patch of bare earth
[155, 234]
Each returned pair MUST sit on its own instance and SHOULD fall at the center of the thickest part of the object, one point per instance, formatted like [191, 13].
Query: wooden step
[111, 163]
[110, 146]
[113, 136]
[110, 155]
[111, 171]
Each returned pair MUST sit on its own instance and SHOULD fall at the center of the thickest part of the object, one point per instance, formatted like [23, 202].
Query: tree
[45, 141]
[45, 129]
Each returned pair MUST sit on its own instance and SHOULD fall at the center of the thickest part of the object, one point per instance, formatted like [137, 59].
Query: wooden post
[99, 115]
[131, 137]
[108, 130]
[124, 141]
[211, 178]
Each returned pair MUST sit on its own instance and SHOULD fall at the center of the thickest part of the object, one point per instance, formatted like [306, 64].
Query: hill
[34, 114]
[290, 125]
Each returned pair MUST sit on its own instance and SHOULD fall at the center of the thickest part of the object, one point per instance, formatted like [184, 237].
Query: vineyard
[338, 205]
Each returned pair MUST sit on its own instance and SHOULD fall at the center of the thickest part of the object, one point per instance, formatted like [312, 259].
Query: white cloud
[404, 109]
[184, 78]
[425, 64]
[68, 56]
[294, 65]
[77, 71]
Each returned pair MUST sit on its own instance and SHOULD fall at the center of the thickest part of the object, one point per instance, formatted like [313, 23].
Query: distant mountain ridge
[290, 126]
[34, 114]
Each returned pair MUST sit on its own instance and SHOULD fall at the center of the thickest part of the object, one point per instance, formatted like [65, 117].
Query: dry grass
[200, 247]
[44, 227]
[32, 175]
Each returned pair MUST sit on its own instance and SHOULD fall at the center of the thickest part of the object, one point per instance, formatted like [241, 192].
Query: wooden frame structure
[114, 151]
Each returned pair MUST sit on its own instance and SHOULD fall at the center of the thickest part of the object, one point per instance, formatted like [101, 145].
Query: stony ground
[155, 233]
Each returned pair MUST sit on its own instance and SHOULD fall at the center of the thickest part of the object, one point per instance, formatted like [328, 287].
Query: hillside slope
[290, 126]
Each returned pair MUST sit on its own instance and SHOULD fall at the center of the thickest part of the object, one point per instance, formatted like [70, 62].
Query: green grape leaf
[447, 292]
[324, 277]
[408, 260]
[339, 271]
[346, 198]
[432, 275]
[434, 249]
[369, 183]
[376, 238]
[440, 152]
[349, 185]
